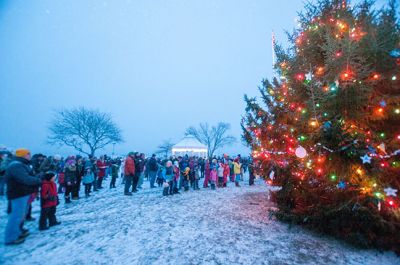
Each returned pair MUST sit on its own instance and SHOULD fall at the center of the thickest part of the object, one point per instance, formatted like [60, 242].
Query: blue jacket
[88, 178]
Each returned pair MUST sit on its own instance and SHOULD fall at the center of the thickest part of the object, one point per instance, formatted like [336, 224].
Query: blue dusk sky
[158, 66]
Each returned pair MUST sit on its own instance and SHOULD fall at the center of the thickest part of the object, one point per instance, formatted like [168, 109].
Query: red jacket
[129, 166]
[49, 194]
[101, 165]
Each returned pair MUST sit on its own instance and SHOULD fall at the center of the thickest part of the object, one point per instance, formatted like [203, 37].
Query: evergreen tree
[329, 130]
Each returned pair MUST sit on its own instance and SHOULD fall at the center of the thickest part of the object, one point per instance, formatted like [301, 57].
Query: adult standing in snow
[136, 176]
[101, 166]
[153, 168]
[142, 161]
[129, 172]
[70, 178]
[21, 183]
[80, 170]
[207, 171]
[237, 169]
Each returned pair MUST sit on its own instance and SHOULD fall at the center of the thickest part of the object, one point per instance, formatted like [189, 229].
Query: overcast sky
[158, 66]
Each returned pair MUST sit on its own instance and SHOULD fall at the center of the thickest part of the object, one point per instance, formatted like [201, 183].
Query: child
[226, 173]
[114, 173]
[169, 178]
[49, 201]
[177, 174]
[160, 175]
[220, 174]
[185, 177]
[87, 180]
[196, 178]
[213, 177]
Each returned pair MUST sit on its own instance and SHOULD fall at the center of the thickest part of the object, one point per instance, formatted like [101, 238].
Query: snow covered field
[226, 226]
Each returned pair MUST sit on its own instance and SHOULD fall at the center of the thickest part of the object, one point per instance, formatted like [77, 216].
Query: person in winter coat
[61, 176]
[213, 177]
[207, 171]
[152, 168]
[87, 180]
[101, 166]
[169, 178]
[191, 177]
[21, 183]
[185, 178]
[251, 174]
[129, 172]
[49, 202]
[142, 163]
[160, 175]
[237, 169]
[70, 178]
[136, 176]
[80, 169]
[196, 178]
[177, 176]
[202, 167]
[114, 173]
[220, 171]
[226, 173]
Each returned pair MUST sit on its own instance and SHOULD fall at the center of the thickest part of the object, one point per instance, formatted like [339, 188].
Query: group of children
[184, 173]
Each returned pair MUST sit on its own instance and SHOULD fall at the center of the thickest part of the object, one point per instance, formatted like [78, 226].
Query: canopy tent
[190, 146]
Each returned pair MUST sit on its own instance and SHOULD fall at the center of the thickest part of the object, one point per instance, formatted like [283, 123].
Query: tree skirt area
[225, 226]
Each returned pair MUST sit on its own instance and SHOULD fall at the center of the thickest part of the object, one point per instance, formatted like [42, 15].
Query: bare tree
[214, 137]
[165, 148]
[84, 129]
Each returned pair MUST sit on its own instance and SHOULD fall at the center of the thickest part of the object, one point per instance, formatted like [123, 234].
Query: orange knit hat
[21, 152]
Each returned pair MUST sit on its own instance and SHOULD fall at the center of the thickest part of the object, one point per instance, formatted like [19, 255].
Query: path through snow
[226, 226]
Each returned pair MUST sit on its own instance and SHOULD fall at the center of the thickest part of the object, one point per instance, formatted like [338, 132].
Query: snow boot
[67, 200]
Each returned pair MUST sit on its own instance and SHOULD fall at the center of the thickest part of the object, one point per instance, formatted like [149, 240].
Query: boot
[16, 242]
[237, 184]
[67, 200]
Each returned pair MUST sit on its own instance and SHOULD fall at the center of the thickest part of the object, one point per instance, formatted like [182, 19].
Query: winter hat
[49, 175]
[21, 152]
[70, 162]
[57, 157]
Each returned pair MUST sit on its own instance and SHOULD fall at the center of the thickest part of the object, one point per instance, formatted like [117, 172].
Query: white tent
[190, 146]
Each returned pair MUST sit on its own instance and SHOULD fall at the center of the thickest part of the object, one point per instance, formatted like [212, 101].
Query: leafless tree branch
[81, 127]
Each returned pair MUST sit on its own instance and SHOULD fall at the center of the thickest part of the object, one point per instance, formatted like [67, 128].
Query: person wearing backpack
[49, 202]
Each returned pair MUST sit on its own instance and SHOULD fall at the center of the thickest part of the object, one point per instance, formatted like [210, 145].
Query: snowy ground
[226, 226]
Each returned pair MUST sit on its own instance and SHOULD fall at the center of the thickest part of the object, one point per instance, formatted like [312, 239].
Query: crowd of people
[27, 177]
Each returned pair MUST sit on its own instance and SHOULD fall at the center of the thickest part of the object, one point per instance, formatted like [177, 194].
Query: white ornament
[366, 159]
[301, 152]
[390, 192]
[309, 76]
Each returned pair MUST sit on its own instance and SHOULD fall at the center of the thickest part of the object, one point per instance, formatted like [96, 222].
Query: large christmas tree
[327, 130]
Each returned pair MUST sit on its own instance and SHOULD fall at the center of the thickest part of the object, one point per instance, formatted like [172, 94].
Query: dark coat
[20, 179]
[70, 175]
